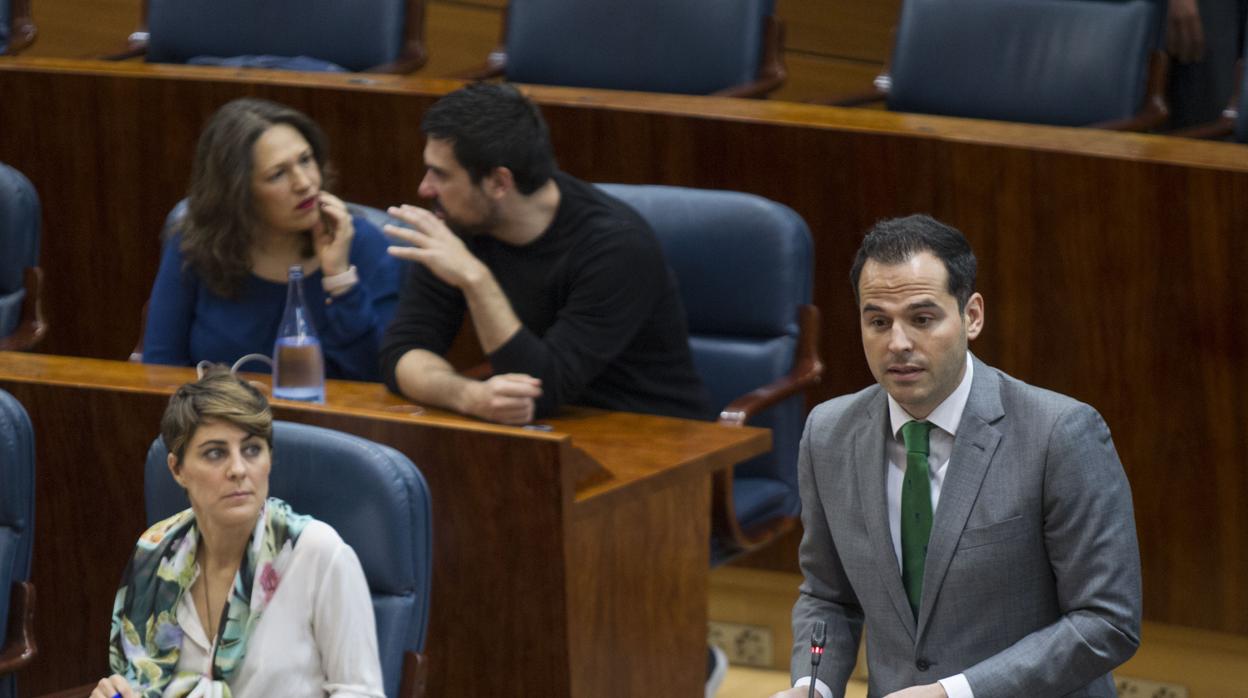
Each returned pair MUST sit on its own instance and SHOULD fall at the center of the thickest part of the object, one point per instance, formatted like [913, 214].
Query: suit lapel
[973, 448]
[870, 462]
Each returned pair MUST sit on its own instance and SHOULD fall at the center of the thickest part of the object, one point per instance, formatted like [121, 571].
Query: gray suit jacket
[1032, 581]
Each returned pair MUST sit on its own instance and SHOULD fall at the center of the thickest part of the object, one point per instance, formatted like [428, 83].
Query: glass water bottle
[298, 365]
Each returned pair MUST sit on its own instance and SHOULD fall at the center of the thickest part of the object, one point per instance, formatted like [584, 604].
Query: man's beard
[464, 230]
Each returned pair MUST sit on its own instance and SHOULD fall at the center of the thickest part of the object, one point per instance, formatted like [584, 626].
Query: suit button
[922, 665]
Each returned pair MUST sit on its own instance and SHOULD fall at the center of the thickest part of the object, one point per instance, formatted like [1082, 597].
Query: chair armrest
[494, 66]
[412, 59]
[415, 675]
[31, 330]
[1154, 112]
[807, 371]
[1217, 130]
[756, 89]
[855, 99]
[136, 45]
[19, 647]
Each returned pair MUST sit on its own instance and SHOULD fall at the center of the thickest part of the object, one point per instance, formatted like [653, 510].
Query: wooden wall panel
[1110, 262]
[850, 29]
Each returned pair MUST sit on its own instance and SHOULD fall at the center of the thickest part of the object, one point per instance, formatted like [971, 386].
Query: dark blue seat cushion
[1064, 62]
[354, 34]
[689, 47]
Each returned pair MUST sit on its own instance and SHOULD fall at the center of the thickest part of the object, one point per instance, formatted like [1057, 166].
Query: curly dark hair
[221, 220]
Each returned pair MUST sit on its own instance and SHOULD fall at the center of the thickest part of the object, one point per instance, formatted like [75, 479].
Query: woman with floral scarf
[237, 596]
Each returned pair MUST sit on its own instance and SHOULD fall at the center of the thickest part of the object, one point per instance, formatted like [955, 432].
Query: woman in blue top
[256, 207]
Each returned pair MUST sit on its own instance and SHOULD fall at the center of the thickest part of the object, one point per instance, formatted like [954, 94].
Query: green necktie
[916, 511]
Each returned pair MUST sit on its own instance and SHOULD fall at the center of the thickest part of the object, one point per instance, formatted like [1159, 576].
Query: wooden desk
[566, 563]
[1111, 262]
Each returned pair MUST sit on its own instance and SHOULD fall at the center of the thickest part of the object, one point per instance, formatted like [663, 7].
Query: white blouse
[317, 636]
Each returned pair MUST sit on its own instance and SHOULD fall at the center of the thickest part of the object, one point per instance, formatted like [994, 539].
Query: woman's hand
[331, 238]
[115, 685]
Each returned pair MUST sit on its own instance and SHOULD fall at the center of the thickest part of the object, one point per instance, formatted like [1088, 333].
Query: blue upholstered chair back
[744, 266]
[353, 34]
[6, 17]
[689, 47]
[17, 509]
[372, 495]
[1241, 118]
[1063, 62]
[19, 242]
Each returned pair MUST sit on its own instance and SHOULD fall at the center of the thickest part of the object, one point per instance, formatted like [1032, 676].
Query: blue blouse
[187, 323]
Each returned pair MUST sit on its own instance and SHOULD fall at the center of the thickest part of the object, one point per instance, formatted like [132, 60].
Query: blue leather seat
[377, 501]
[743, 264]
[1061, 62]
[17, 532]
[355, 35]
[689, 47]
[17, 29]
[21, 321]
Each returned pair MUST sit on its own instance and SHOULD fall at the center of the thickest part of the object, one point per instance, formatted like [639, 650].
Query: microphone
[818, 636]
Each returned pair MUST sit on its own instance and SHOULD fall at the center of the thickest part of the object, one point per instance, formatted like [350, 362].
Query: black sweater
[602, 322]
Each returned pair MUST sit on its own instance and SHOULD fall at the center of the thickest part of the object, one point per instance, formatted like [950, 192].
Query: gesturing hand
[435, 246]
[507, 399]
[331, 237]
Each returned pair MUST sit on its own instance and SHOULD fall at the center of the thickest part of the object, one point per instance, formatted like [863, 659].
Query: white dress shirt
[317, 636]
[945, 418]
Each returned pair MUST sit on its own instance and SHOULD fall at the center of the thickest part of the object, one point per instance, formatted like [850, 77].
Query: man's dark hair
[896, 240]
[489, 126]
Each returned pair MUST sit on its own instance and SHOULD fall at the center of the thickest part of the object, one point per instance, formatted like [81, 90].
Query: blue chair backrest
[19, 242]
[743, 264]
[372, 495]
[17, 508]
[5, 18]
[353, 34]
[1241, 118]
[689, 47]
[1062, 62]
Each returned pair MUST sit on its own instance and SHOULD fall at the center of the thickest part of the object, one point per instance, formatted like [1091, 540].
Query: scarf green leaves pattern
[145, 639]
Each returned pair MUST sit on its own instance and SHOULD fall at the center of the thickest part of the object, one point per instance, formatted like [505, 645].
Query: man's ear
[498, 183]
[973, 315]
[174, 469]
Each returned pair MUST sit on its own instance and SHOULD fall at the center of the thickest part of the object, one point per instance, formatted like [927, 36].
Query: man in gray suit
[981, 527]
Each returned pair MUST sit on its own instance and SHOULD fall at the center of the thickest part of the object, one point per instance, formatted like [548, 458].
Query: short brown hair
[221, 218]
[218, 396]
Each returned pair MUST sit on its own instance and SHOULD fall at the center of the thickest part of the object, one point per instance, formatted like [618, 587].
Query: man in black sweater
[567, 287]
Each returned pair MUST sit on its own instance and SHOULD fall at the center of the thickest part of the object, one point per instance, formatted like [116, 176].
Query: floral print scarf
[145, 639]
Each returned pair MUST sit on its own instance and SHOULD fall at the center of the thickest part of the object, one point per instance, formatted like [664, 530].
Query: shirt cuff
[957, 687]
[823, 688]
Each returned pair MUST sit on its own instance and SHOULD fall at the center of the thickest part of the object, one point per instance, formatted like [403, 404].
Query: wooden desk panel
[1109, 261]
[574, 560]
